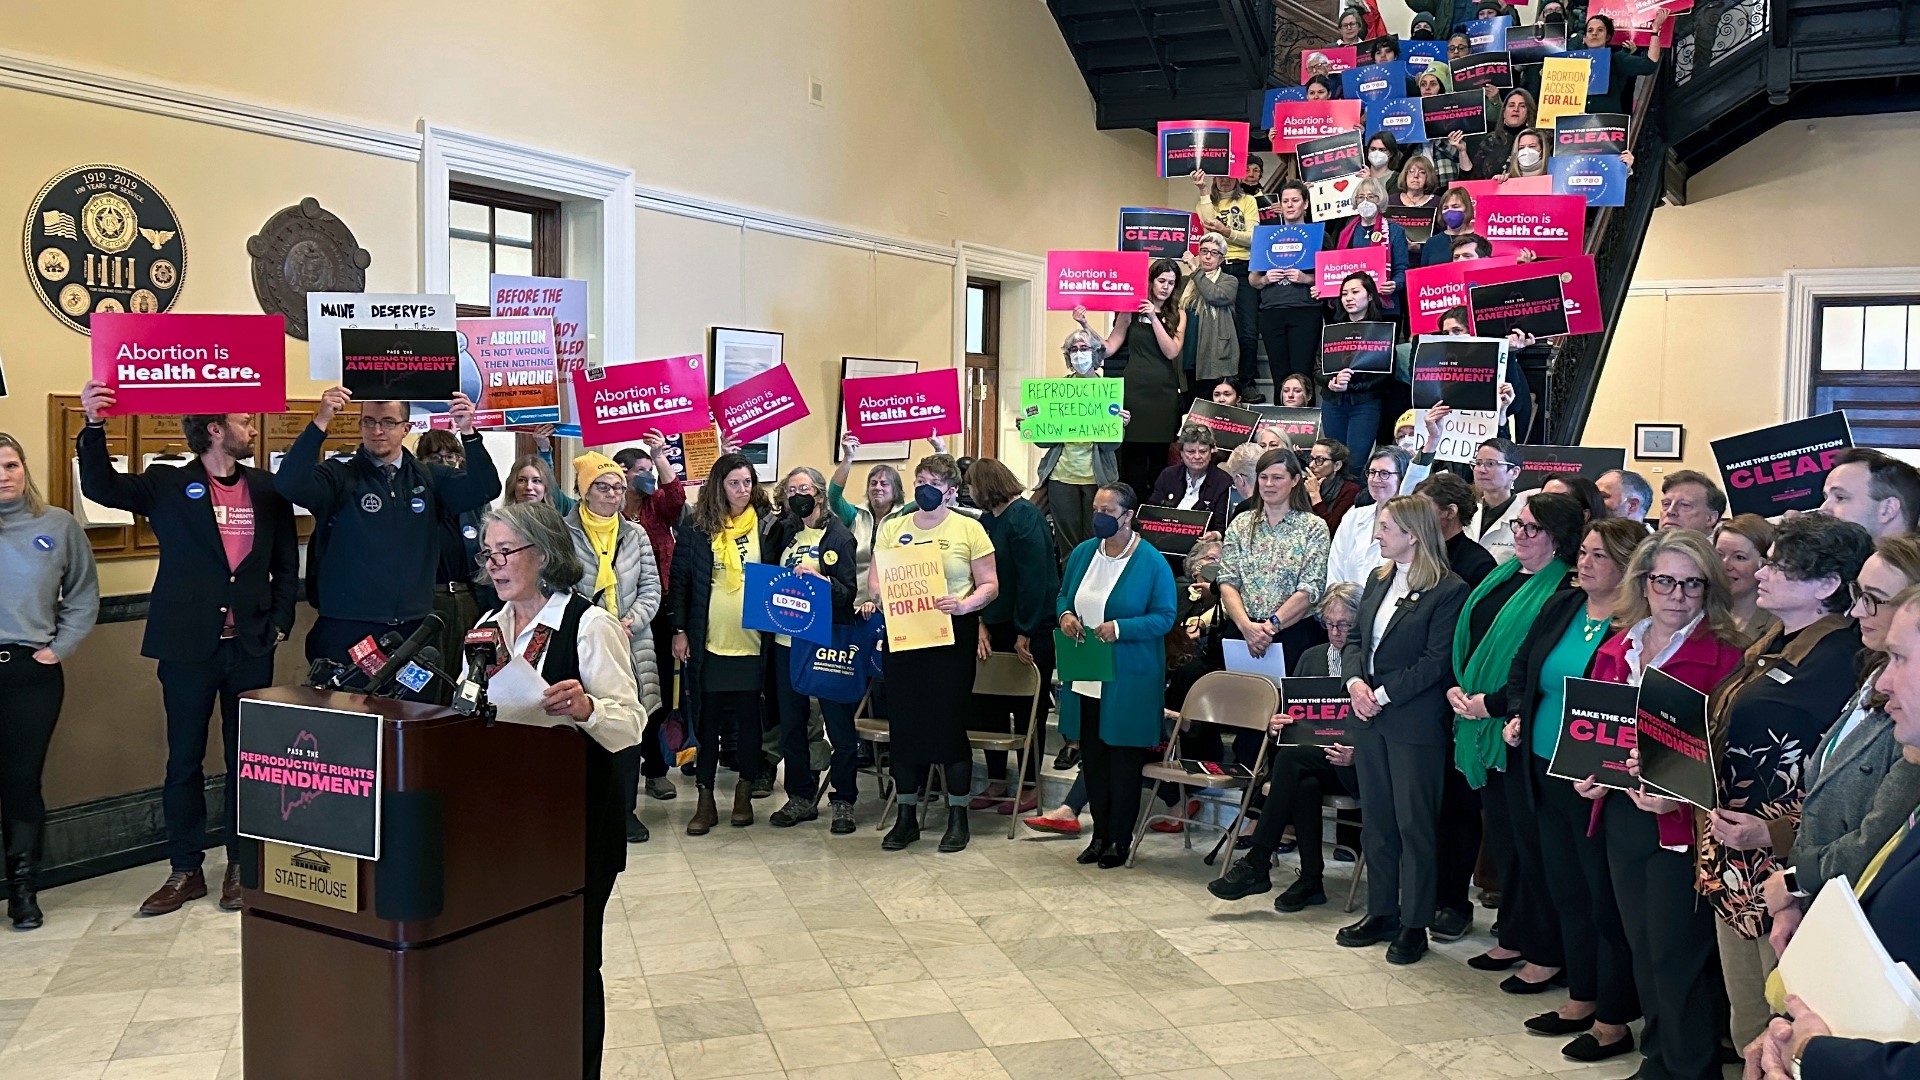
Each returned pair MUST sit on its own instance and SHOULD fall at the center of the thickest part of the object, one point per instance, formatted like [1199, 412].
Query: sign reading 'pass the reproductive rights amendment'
[628, 400]
[1096, 280]
[892, 408]
[191, 363]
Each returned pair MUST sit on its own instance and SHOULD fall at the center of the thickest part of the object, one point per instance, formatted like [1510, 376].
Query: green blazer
[1142, 604]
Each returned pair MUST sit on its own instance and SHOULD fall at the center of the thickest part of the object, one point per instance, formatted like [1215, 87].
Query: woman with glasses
[1329, 489]
[1209, 297]
[1496, 465]
[1742, 542]
[1069, 473]
[1225, 210]
[619, 575]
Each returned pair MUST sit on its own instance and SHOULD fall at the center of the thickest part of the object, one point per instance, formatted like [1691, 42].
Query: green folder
[1082, 661]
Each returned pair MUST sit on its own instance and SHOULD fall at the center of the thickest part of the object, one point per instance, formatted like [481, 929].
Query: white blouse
[606, 672]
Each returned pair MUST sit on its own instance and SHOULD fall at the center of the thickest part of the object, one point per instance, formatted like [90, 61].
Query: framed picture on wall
[859, 367]
[734, 356]
[1659, 442]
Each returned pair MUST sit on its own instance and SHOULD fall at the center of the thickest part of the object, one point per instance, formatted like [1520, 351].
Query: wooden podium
[458, 952]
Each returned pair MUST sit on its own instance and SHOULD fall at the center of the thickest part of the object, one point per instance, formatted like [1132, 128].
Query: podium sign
[309, 777]
[317, 877]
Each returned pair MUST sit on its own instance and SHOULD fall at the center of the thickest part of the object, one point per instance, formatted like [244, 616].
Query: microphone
[367, 656]
[419, 673]
[430, 628]
[483, 648]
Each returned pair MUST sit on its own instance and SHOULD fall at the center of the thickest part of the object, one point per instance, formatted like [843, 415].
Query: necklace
[1591, 626]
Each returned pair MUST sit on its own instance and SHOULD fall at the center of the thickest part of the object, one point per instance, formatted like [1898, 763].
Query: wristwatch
[1791, 879]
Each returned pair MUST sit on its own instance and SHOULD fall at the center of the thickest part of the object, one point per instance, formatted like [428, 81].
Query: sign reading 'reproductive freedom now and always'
[1071, 410]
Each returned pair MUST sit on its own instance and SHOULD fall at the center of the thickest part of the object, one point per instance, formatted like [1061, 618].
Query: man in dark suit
[222, 599]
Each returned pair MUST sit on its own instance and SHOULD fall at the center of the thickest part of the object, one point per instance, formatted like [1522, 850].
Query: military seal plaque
[101, 238]
[304, 249]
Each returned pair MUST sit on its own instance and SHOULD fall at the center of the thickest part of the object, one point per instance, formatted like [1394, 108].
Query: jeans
[1353, 420]
[189, 691]
[801, 784]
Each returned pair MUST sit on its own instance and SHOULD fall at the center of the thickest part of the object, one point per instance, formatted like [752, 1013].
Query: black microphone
[484, 649]
[429, 630]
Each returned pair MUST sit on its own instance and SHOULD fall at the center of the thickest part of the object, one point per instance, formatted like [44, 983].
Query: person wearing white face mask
[1369, 229]
[1530, 150]
[1070, 473]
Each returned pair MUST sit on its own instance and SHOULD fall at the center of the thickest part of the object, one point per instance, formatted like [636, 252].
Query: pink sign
[629, 400]
[191, 363]
[1431, 290]
[1579, 286]
[1295, 122]
[767, 402]
[1330, 268]
[892, 408]
[1548, 225]
[1327, 60]
[1527, 185]
[1633, 19]
[1097, 280]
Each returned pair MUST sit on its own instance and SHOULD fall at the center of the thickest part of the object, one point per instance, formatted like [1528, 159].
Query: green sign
[1070, 410]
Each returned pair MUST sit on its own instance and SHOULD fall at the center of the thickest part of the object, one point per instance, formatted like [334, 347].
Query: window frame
[546, 240]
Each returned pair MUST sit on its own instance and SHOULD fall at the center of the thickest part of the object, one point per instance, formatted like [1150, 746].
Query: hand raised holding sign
[332, 400]
[460, 410]
[96, 398]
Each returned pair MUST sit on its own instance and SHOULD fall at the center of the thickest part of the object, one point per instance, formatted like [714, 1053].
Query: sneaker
[1242, 879]
[661, 788]
[842, 819]
[795, 812]
[763, 787]
[1450, 925]
[1303, 893]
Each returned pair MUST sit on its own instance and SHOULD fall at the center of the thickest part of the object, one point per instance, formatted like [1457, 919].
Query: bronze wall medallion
[304, 249]
[101, 238]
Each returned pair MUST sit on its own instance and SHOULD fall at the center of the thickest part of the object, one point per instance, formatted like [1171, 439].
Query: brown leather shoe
[230, 889]
[742, 804]
[181, 886]
[705, 814]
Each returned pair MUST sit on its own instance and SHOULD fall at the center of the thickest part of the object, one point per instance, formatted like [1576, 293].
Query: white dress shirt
[1192, 498]
[1355, 550]
[606, 672]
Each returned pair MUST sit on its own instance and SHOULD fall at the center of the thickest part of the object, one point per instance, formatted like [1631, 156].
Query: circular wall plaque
[100, 238]
[304, 249]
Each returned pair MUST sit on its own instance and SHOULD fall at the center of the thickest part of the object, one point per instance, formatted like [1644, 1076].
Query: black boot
[906, 828]
[22, 857]
[957, 830]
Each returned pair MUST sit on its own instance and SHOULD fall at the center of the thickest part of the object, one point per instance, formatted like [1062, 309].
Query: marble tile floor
[765, 952]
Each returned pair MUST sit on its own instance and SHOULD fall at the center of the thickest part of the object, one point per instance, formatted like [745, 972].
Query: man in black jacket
[376, 536]
[222, 599]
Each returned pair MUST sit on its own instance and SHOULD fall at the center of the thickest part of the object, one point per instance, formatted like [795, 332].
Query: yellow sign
[910, 581]
[698, 451]
[1563, 88]
[318, 877]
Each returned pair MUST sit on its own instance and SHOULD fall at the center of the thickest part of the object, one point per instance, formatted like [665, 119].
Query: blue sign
[1600, 71]
[1286, 247]
[1401, 117]
[1375, 81]
[1264, 120]
[196, 490]
[1601, 179]
[780, 601]
[1488, 35]
[1417, 53]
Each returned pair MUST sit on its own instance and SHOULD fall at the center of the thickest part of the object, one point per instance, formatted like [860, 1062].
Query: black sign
[1479, 70]
[1162, 234]
[1231, 769]
[1784, 467]
[1532, 44]
[1464, 372]
[1300, 427]
[1331, 156]
[1172, 531]
[1535, 305]
[1590, 133]
[1207, 150]
[400, 365]
[1596, 733]
[1230, 424]
[1362, 346]
[309, 777]
[1543, 463]
[1319, 712]
[100, 238]
[1676, 758]
[1415, 221]
[1465, 112]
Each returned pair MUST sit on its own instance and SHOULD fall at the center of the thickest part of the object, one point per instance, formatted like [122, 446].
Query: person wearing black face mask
[1070, 473]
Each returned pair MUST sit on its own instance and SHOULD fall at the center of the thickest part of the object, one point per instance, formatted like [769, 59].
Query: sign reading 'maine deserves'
[309, 777]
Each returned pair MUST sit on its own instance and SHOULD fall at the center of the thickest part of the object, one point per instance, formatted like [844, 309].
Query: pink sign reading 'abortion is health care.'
[191, 363]
[767, 402]
[628, 400]
[891, 408]
[1096, 280]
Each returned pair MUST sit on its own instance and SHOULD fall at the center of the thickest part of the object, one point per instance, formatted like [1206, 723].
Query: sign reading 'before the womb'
[896, 407]
[629, 400]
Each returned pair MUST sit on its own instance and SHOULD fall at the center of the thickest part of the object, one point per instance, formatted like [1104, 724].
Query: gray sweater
[52, 595]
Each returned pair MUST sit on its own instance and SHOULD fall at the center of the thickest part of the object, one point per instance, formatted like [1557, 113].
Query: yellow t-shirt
[1239, 214]
[804, 551]
[1075, 464]
[961, 540]
[725, 610]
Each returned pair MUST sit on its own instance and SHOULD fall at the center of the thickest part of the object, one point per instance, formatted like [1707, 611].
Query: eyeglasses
[1382, 474]
[372, 423]
[497, 556]
[608, 489]
[1319, 459]
[1664, 584]
[1337, 626]
[1868, 602]
[1528, 529]
[1493, 463]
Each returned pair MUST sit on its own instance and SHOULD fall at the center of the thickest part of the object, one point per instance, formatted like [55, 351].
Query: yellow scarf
[603, 533]
[726, 550]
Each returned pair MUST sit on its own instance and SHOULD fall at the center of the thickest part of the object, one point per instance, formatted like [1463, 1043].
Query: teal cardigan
[1142, 604]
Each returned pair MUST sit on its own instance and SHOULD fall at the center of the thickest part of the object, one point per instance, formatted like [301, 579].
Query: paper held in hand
[1837, 965]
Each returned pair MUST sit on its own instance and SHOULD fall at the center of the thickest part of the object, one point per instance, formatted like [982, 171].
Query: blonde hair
[1717, 604]
[1425, 164]
[36, 504]
[1416, 515]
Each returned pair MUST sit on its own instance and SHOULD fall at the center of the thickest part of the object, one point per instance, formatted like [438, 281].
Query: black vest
[606, 818]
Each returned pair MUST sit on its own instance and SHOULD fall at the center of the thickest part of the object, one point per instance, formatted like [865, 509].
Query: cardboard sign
[1485, 36]
[1415, 221]
[1171, 532]
[1783, 467]
[1071, 410]
[767, 402]
[1332, 156]
[1600, 179]
[1464, 372]
[1589, 133]
[1319, 712]
[1096, 280]
[1597, 731]
[910, 580]
[309, 777]
[1483, 70]
[169, 364]
[1303, 121]
[328, 313]
[1538, 43]
[513, 361]
[1463, 111]
[1461, 433]
[1231, 424]
[1563, 87]
[1332, 199]
[1359, 346]
[1275, 96]
[780, 601]
[1300, 427]
[1160, 233]
[1329, 60]
[1286, 247]
[628, 400]
[1633, 20]
[1214, 147]
[1601, 73]
[1534, 305]
[1432, 290]
[400, 365]
[1671, 734]
[1543, 463]
[1548, 225]
[1330, 268]
[1402, 117]
[900, 407]
[1372, 82]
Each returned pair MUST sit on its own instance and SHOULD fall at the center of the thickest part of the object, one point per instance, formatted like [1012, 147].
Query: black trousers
[735, 711]
[1599, 965]
[1113, 778]
[1301, 778]
[1400, 792]
[796, 711]
[1292, 337]
[331, 637]
[189, 692]
[1458, 842]
[1527, 923]
[1246, 321]
[30, 697]
[1010, 714]
[1670, 934]
[1141, 463]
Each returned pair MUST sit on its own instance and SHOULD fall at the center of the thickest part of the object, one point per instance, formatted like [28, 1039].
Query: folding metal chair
[1007, 675]
[1229, 699]
[880, 733]
[1338, 803]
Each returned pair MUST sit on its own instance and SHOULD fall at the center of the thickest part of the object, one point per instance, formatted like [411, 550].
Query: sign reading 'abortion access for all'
[1071, 410]
[191, 363]
[891, 408]
[628, 400]
[1096, 280]
[767, 402]
[1783, 467]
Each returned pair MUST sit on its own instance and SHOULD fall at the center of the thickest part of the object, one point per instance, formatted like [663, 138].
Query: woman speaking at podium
[565, 662]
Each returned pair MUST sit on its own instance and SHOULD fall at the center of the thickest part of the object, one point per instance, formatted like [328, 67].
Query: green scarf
[1477, 744]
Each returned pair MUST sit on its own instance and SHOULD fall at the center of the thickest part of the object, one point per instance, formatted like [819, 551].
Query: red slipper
[1053, 825]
